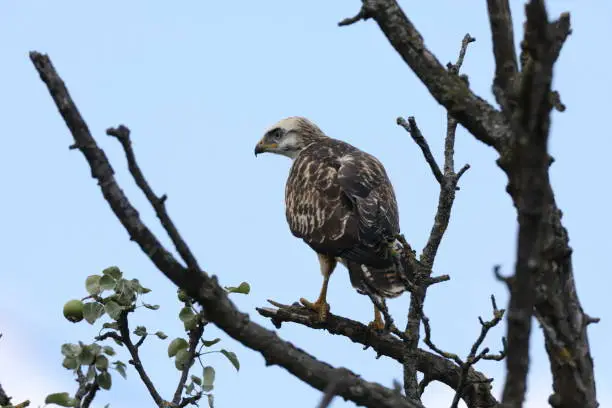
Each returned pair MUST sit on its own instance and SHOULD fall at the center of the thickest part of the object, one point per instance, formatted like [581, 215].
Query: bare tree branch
[125, 338]
[434, 368]
[506, 65]
[448, 186]
[474, 113]
[419, 139]
[197, 284]
[473, 356]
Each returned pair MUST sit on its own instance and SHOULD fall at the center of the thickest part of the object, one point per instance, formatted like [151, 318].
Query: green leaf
[70, 350]
[86, 356]
[120, 367]
[176, 345]
[189, 318]
[113, 272]
[70, 363]
[181, 359]
[186, 314]
[243, 288]
[208, 343]
[92, 284]
[196, 379]
[113, 309]
[152, 307]
[211, 400]
[112, 325]
[108, 350]
[125, 293]
[189, 388]
[60, 398]
[191, 324]
[161, 335]
[140, 331]
[104, 380]
[107, 282]
[136, 286]
[208, 379]
[92, 311]
[231, 356]
[101, 363]
[95, 348]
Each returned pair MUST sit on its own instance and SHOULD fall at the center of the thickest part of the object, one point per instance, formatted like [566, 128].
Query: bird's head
[289, 137]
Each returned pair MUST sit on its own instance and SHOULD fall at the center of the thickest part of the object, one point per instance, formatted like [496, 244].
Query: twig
[361, 15]
[197, 284]
[194, 338]
[417, 136]
[91, 394]
[473, 357]
[330, 392]
[86, 392]
[122, 134]
[124, 331]
[190, 400]
[141, 340]
[448, 185]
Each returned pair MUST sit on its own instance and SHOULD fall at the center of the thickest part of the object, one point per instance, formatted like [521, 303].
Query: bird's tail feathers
[387, 282]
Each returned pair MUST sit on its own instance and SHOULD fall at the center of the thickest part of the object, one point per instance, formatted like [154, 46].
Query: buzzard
[339, 200]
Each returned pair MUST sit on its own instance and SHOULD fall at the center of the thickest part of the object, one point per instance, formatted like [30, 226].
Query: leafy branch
[112, 295]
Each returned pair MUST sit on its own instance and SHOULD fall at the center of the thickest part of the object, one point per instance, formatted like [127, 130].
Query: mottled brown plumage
[340, 201]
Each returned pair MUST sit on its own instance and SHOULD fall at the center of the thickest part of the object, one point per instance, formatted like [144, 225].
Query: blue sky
[198, 82]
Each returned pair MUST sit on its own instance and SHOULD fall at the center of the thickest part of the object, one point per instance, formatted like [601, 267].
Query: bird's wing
[364, 181]
[342, 204]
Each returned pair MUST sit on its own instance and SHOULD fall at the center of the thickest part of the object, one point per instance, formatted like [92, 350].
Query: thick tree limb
[474, 113]
[543, 275]
[506, 65]
[434, 368]
[197, 284]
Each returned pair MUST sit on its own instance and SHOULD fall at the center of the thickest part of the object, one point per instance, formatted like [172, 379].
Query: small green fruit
[73, 310]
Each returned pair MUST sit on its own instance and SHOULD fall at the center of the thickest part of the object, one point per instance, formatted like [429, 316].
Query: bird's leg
[378, 322]
[328, 264]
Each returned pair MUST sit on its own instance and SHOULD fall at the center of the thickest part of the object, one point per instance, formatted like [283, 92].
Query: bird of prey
[339, 200]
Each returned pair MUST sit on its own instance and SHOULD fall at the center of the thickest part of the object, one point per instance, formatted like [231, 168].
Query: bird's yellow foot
[378, 323]
[321, 307]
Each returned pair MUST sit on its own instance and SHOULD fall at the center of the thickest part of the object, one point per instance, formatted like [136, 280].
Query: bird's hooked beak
[263, 147]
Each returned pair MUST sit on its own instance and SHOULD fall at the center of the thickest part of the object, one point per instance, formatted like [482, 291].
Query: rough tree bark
[542, 285]
[519, 132]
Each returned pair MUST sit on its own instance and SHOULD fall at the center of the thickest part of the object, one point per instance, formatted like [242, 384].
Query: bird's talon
[320, 307]
[377, 325]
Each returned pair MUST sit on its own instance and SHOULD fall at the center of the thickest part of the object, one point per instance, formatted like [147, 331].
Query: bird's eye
[276, 134]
